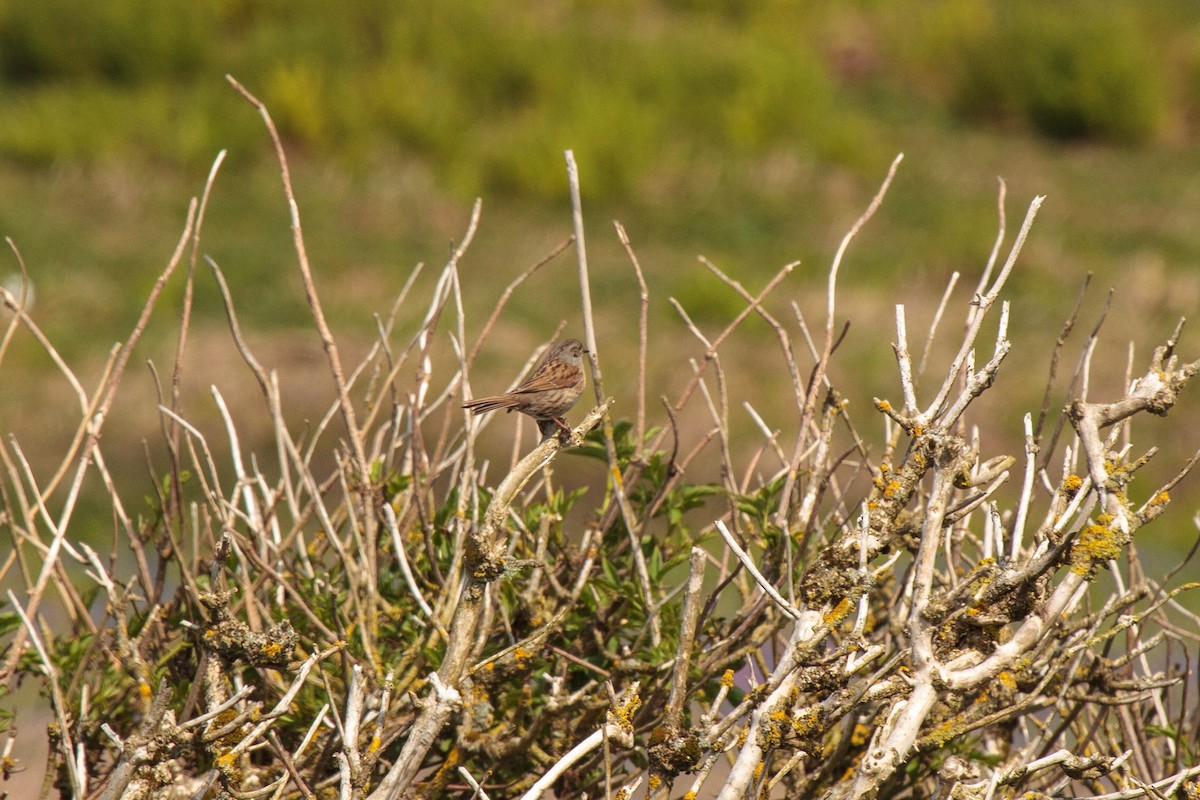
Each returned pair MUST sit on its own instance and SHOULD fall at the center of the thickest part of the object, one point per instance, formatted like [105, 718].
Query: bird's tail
[485, 404]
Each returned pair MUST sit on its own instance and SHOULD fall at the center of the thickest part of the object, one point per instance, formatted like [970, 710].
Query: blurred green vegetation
[481, 91]
[624, 86]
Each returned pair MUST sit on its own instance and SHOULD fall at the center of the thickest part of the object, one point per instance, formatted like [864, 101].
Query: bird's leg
[554, 425]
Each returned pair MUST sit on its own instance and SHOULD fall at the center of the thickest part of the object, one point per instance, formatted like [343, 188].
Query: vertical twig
[643, 312]
[610, 447]
[310, 290]
[818, 375]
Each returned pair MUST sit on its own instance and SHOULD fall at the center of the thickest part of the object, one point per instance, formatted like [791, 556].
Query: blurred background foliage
[753, 133]
[633, 87]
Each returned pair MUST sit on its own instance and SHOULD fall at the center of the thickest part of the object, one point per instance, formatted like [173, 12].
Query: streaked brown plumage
[548, 393]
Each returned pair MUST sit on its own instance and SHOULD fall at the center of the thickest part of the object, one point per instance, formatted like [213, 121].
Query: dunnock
[548, 393]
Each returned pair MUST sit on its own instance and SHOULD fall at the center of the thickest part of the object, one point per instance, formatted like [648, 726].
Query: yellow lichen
[727, 679]
[838, 613]
[1093, 545]
[805, 722]
[946, 731]
[623, 714]
[449, 766]
[770, 735]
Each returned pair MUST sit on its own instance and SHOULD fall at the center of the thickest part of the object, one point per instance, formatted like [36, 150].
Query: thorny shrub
[419, 622]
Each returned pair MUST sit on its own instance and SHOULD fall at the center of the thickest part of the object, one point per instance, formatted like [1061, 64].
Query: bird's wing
[545, 379]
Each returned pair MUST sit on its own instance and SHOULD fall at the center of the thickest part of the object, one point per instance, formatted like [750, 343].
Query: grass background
[751, 133]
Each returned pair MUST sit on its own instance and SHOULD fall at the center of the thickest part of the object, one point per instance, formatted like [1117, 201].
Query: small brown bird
[548, 393]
